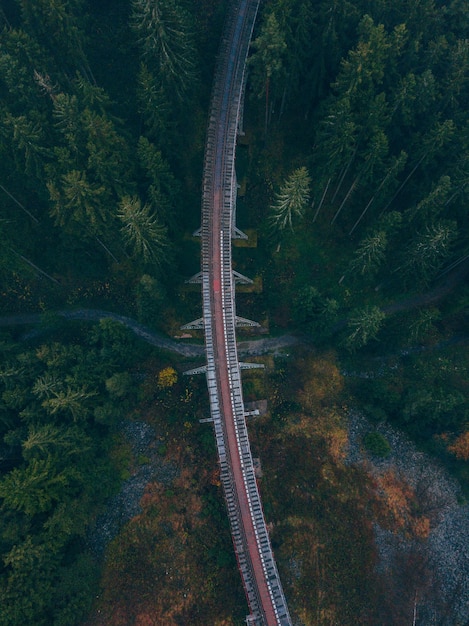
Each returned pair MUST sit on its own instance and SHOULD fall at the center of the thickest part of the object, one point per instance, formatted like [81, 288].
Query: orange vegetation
[399, 505]
[322, 381]
[460, 447]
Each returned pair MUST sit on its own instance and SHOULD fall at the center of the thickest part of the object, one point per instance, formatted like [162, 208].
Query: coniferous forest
[353, 172]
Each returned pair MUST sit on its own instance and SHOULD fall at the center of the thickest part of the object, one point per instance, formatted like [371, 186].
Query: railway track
[251, 541]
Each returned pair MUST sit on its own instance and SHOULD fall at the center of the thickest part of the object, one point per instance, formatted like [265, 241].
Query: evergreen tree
[154, 107]
[28, 143]
[315, 312]
[369, 255]
[78, 203]
[291, 200]
[267, 60]
[142, 230]
[427, 251]
[73, 401]
[33, 489]
[59, 26]
[165, 36]
[363, 325]
[163, 188]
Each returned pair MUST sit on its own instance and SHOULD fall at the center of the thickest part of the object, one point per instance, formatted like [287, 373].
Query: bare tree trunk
[453, 265]
[19, 204]
[38, 269]
[344, 173]
[370, 202]
[352, 187]
[107, 249]
[282, 105]
[403, 184]
[266, 121]
[322, 199]
[414, 621]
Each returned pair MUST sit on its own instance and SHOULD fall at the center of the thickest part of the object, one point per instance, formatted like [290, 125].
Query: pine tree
[73, 401]
[154, 107]
[267, 60]
[291, 200]
[165, 35]
[163, 189]
[428, 250]
[34, 488]
[369, 255]
[363, 326]
[78, 203]
[142, 230]
[28, 143]
[59, 26]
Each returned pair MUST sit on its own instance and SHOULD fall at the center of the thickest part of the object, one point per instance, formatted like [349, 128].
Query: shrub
[376, 444]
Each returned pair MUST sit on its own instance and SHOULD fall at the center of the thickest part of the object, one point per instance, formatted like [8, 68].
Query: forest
[353, 171]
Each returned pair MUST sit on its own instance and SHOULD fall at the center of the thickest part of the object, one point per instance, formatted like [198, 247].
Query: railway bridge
[251, 541]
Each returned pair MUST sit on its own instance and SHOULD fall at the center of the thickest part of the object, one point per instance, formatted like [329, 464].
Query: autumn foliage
[399, 505]
[460, 447]
[167, 377]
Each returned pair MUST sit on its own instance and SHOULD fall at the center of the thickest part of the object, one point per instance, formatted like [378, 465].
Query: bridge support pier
[240, 322]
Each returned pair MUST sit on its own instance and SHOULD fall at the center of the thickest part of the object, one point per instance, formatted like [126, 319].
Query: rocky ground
[447, 546]
[125, 505]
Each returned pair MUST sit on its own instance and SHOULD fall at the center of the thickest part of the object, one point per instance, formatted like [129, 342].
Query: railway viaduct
[251, 541]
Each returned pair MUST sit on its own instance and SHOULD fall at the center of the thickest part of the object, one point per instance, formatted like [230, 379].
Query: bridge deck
[250, 537]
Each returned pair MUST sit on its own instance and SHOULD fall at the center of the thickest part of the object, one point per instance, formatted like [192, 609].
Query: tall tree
[363, 325]
[291, 200]
[20, 56]
[45, 439]
[142, 230]
[369, 255]
[28, 142]
[315, 312]
[165, 34]
[427, 251]
[28, 583]
[163, 188]
[33, 489]
[154, 107]
[267, 60]
[59, 26]
[428, 209]
[70, 400]
[78, 203]
[107, 151]
[364, 67]
[337, 142]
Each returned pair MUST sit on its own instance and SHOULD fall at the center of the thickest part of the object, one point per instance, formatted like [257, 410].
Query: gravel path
[447, 546]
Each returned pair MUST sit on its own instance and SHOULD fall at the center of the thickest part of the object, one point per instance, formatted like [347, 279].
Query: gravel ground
[126, 504]
[447, 547]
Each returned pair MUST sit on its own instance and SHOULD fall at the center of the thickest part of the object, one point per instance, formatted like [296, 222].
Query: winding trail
[255, 347]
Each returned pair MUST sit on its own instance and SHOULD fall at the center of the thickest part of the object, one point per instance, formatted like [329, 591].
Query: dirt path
[254, 347]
